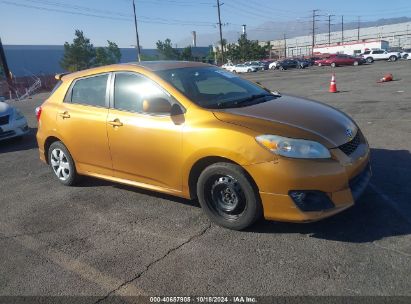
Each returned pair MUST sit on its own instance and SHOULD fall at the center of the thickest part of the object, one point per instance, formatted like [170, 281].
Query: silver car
[12, 122]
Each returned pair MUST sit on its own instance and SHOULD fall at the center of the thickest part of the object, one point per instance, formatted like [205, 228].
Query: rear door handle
[65, 114]
[116, 123]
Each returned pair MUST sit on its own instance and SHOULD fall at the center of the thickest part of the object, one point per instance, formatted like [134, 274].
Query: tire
[405, 56]
[234, 71]
[272, 67]
[228, 197]
[355, 63]
[393, 58]
[369, 59]
[281, 68]
[320, 64]
[62, 164]
[333, 65]
[249, 71]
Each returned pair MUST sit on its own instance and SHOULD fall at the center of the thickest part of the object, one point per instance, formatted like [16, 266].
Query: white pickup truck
[372, 55]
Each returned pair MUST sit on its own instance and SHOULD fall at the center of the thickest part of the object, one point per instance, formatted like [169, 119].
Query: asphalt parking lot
[103, 239]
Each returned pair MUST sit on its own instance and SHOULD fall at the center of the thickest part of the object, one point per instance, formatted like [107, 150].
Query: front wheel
[393, 58]
[369, 60]
[320, 64]
[333, 65]
[62, 163]
[249, 71]
[355, 63]
[228, 197]
[405, 56]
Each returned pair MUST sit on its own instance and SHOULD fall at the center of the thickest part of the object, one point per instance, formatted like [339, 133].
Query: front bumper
[343, 183]
[15, 128]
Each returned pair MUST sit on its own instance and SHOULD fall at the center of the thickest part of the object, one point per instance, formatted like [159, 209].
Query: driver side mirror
[156, 105]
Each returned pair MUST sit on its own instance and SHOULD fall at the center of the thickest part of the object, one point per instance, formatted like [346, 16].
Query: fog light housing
[311, 200]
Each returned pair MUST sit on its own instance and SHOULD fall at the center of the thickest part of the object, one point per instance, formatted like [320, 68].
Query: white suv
[372, 55]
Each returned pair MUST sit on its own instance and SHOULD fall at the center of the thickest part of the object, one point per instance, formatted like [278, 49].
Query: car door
[81, 123]
[378, 55]
[145, 147]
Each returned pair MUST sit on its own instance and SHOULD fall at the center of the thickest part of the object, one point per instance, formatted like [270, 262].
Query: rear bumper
[342, 185]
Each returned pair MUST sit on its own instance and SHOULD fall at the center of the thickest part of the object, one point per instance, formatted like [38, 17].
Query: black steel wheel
[228, 197]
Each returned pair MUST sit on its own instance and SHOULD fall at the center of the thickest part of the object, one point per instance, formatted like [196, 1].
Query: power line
[128, 18]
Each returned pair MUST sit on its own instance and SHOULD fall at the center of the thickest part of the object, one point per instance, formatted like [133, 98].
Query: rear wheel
[62, 164]
[228, 197]
[320, 64]
[281, 68]
[393, 58]
[234, 71]
[405, 56]
[355, 63]
[333, 64]
[249, 70]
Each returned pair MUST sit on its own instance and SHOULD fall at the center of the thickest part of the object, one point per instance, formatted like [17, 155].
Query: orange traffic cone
[386, 78]
[333, 85]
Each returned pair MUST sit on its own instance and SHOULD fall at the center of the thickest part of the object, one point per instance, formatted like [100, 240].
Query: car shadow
[382, 211]
[27, 142]
[87, 181]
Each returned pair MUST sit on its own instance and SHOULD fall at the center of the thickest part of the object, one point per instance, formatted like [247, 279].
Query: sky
[53, 22]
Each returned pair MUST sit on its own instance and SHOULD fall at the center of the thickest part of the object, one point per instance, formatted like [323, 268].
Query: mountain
[273, 30]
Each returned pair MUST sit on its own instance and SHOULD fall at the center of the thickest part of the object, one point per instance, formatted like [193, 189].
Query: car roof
[152, 66]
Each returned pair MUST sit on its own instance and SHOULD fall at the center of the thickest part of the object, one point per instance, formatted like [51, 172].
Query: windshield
[211, 87]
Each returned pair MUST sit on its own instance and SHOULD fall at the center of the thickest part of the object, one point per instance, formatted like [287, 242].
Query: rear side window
[90, 91]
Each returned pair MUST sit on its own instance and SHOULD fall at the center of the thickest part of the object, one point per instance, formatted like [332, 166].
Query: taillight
[38, 113]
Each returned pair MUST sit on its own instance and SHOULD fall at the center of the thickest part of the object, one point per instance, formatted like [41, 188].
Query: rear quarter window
[89, 91]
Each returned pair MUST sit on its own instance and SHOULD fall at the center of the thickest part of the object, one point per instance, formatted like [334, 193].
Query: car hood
[293, 117]
[5, 108]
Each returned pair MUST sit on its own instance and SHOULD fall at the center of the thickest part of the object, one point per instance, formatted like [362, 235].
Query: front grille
[349, 147]
[4, 120]
[7, 134]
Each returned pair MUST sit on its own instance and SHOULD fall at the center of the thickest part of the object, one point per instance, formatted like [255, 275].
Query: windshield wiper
[252, 99]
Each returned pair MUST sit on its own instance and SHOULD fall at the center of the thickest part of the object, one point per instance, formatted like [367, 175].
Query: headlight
[294, 148]
[18, 115]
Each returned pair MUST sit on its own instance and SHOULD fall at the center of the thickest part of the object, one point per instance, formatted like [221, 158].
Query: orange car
[196, 131]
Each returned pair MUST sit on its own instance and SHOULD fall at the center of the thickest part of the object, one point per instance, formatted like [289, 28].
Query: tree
[186, 54]
[107, 55]
[79, 54]
[166, 50]
[246, 49]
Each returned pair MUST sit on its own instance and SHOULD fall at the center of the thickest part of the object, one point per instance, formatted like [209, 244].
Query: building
[396, 35]
[352, 48]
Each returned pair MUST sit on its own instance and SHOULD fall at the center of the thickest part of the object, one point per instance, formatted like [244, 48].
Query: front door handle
[65, 114]
[116, 123]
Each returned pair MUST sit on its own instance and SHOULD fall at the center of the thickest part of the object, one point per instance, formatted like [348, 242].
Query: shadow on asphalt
[373, 217]
[28, 142]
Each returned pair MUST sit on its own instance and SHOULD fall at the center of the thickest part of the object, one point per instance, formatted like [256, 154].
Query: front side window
[90, 91]
[211, 87]
[131, 90]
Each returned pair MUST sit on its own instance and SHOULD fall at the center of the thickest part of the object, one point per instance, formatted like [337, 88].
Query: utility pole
[313, 30]
[342, 29]
[329, 28]
[221, 32]
[358, 28]
[137, 39]
[285, 46]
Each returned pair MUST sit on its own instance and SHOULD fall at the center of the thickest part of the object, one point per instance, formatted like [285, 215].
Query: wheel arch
[47, 143]
[205, 162]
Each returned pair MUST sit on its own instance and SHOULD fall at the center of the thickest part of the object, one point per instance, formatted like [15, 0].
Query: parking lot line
[392, 203]
[68, 263]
